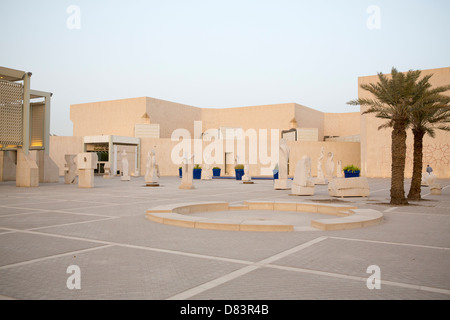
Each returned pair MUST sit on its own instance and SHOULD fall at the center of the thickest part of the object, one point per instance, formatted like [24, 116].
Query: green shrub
[216, 168]
[239, 166]
[351, 168]
[197, 166]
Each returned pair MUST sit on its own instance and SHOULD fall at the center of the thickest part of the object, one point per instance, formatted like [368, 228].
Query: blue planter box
[216, 172]
[349, 174]
[197, 173]
[275, 176]
[239, 173]
[180, 172]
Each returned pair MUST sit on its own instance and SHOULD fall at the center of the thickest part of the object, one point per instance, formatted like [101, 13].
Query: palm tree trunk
[416, 182]
[398, 150]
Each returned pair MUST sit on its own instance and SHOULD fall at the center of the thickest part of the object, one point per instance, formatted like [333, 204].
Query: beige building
[153, 123]
[254, 130]
[228, 136]
[376, 144]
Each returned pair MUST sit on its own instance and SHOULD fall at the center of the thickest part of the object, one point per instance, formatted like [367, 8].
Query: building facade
[254, 130]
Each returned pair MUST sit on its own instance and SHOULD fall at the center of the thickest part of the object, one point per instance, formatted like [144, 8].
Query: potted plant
[351, 171]
[216, 172]
[275, 172]
[197, 172]
[180, 172]
[239, 171]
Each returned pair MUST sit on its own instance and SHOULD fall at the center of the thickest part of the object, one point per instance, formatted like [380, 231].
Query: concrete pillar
[26, 113]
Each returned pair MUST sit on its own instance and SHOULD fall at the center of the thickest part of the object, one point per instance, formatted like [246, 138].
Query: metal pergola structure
[17, 76]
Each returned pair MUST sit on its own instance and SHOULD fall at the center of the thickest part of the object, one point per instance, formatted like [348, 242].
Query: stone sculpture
[246, 179]
[303, 184]
[152, 170]
[206, 171]
[283, 159]
[187, 173]
[70, 172]
[125, 173]
[339, 169]
[107, 169]
[86, 163]
[320, 178]
[428, 178]
[330, 165]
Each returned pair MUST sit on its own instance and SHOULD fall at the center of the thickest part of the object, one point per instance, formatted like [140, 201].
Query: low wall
[348, 152]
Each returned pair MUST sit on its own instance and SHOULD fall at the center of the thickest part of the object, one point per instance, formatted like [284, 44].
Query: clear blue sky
[215, 54]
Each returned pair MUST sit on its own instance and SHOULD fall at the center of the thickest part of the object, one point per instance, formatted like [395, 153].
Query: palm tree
[431, 112]
[394, 98]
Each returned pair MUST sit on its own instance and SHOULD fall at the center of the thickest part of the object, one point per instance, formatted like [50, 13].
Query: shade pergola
[22, 78]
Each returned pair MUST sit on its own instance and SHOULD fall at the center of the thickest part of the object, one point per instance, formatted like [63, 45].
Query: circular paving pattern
[264, 216]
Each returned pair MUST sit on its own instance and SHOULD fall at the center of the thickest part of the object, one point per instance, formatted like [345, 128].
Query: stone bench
[349, 187]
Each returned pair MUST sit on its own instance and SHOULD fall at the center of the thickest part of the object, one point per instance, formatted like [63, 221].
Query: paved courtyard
[122, 255]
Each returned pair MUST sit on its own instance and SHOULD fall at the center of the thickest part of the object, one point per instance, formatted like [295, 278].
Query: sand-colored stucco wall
[348, 152]
[277, 116]
[342, 124]
[310, 118]
[115, 117]
[376, 144]
[172, 116]
[62, 145]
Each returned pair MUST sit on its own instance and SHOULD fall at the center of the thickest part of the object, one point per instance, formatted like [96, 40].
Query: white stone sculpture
[187, 174]
[246, 179]
[86, 163]
[303, 184]
[283, 159]
[125, 173]
[330, 165]
[152, 170]
[339, 169]
[107, 169]
[206, 171]
[428, 179]
[424, 179]
[320, 178]
[70, 172]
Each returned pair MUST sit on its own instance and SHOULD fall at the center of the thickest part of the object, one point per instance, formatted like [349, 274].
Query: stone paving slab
[122, 255]
[398, 263]
[19, 247]
[111, 273]
[275, 284]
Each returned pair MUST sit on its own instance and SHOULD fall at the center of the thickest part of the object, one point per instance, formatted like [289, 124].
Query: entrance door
[229, 163]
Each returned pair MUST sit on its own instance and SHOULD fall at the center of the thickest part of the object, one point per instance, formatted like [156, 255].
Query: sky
[217, 54]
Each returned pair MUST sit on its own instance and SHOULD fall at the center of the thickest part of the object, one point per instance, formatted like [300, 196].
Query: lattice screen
[11, 113]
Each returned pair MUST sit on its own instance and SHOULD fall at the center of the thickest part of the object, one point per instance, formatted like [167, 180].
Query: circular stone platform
[264, 216]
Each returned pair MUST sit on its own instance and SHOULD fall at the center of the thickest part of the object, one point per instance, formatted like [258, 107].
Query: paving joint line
[240, 272]
[17, 264]
[390, 243]
[71, 223]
